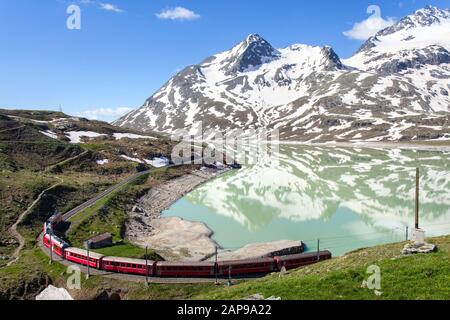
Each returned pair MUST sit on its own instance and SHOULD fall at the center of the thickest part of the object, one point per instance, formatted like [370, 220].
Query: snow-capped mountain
[309, 94]
[417, 48]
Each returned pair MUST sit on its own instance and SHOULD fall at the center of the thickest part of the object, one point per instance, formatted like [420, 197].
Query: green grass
[108, 215]
[402, 278]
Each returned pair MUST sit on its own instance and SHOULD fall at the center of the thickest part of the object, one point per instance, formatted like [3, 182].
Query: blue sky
[127, 49]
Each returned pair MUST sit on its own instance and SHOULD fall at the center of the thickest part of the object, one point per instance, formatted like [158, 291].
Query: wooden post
[51, 245]
[318, 249]
[417, 197]
[146, 266]
[216, 267]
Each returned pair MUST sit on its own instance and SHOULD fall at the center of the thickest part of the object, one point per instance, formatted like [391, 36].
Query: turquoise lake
[348, 198]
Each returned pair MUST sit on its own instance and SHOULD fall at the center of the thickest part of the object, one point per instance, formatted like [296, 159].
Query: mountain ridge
[308, 93]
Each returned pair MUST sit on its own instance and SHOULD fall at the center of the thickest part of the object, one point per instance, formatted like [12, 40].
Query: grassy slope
[24, 154]
[413, 277]
[109, 215]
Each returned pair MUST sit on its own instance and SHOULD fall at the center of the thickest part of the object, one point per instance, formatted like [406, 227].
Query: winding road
[13, 229]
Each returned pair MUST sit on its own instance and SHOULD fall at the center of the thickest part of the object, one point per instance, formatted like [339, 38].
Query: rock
[415, 248]
[259, 296]
[53, 293]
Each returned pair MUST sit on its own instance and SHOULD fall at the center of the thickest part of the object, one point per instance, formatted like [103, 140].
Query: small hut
[100, 241]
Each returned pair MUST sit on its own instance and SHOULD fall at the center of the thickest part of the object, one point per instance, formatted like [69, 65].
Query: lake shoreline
[178, 239]
[440, 146]
[171, 237]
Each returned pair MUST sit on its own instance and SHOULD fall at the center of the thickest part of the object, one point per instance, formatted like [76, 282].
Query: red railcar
[80, 256]
[52, 222]
[185, 269]
[58, 246]
[299, 260]
[249, 266]
[129, 266]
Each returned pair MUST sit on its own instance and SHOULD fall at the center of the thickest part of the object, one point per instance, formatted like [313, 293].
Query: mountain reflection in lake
[348, 198]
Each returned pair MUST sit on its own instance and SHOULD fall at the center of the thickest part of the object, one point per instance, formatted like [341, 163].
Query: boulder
[417, 248]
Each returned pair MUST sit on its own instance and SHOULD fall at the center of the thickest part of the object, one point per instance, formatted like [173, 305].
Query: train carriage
[52, 223]
[80, 256]
[299, 260]
[248, 266]
[185, 269]
[128, 266]
[57, 245]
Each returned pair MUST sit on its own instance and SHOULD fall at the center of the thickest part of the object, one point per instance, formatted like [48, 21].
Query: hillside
[309, 94]
[402, 277]
[78, 157]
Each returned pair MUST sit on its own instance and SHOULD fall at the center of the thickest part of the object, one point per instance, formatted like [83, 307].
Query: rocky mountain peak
[250, 53]
[332, 60]
[424, 17]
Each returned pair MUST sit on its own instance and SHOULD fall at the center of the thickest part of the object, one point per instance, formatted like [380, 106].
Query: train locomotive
[205, 269]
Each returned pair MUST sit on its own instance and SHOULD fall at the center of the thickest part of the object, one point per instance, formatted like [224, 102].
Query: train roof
[84, 252]
[304, 255]
[57, 240]
[186, 263]
[127, 260]
[245, 261]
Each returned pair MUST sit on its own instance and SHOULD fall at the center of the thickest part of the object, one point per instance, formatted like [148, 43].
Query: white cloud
[178, 13]
[365, 29]
[110, 7]
[104, 6]
[100, 113]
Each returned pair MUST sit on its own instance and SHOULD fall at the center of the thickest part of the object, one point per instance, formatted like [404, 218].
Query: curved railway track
[127, 277]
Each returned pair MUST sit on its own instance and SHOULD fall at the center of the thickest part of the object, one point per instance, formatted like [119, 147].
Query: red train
[206, 269]
[59, 246]
[52, 223]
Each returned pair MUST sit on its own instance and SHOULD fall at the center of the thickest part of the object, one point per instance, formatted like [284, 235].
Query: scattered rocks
[258, 297]
[417, 248]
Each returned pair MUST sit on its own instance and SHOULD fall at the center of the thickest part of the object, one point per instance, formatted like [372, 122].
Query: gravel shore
[173, 238]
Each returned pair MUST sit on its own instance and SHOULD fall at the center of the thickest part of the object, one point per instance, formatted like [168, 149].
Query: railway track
[104, 194]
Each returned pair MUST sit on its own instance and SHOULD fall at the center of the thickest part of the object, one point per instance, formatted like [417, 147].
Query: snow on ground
[102, 162]
[158, 162]
[76, 136]
[50, 134]
[52, 293]
[132, 159]
[119, 136]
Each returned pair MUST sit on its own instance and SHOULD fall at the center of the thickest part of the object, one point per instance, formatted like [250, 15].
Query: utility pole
[417, 197]
[146, 266]
[318, 249]
[215, 269]
[88, 260]
[51, 245]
